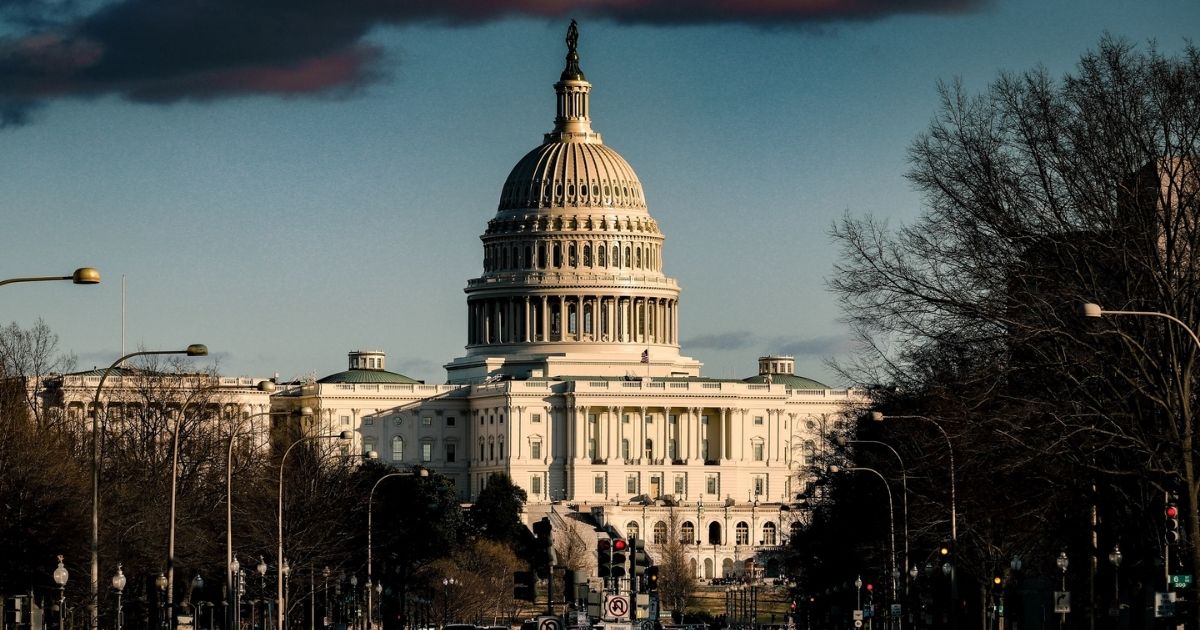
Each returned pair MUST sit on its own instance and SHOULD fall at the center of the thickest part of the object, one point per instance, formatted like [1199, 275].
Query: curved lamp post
[880, 417]
[118, 583]
[267, 387]
[420, 472]
[895, 575]
[83, 275]
[194, 350]
[280, 602]
[843, 441]
[174, 492]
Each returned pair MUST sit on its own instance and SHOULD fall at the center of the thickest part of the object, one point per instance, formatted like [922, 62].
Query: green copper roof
[368, 376]
[790, 380]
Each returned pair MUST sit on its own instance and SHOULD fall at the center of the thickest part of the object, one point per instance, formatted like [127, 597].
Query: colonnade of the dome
[579, 254]
[576, 318]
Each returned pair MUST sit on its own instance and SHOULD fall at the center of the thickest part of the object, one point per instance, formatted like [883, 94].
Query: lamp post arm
[34, 279]
[1165, 316]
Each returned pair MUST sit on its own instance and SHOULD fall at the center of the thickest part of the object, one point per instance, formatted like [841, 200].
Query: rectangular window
[649, 419]
[758, 451]
[535, 450]
[536, 418]
[704, 448]
[345, 421]
[673, 419]
[760, 486]
[427, 451]
[369, 421]
[681, 485]
[449, 421]
[426, 421]
[704, 420]
[368, 445]
[758, 419]
[450, 453]
[631, 485]
[599, 484]
[535, 485]
[625, 418]
[592, 448]
[712, 484]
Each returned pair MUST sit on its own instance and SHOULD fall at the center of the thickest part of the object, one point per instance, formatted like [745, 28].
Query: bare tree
[1042, 194]
[676, 577]
[32, 356]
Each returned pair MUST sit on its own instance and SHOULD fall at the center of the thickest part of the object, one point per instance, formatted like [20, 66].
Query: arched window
[491, 448]
[649, 449]
[600, 255]
[501, 444]
[397, 448]
[625, 448]
[587, 255]
[660, 533]
[687, 533]
[673, 449]
[741, 533]
[714, 533]
[631, 529]
[769, 534]
[616, 256]
[795, 529]
[481, 451]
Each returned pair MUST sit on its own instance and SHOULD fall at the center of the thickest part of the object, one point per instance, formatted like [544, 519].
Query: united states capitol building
[573, 383]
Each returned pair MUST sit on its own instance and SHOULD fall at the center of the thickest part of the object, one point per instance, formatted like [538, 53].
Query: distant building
[573, 383]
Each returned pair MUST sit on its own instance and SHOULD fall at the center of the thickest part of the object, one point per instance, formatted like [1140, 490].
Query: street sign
[184, 622]
[1164, 604]
[857, 616]
[1181, 581]
[549, 623]
[1062, 601]
[858, 623]
[896, 611]
[615, 607]
[868, 611]
[618, 626]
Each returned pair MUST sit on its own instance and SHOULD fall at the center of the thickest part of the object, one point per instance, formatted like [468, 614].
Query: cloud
[721, 341]
[166, 51]
[814, 346]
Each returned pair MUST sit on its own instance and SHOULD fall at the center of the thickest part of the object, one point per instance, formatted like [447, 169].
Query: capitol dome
[573, 279]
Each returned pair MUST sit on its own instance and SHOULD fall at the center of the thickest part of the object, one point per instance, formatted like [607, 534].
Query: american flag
[646, 355]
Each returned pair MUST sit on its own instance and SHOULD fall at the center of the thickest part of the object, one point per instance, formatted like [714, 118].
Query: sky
[289, 181]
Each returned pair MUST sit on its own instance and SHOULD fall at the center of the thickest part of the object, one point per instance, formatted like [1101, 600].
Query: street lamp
[858, 590]
[161, 583]
[60, 578]
[233, 594]
[285, 570]
[267, 387]
[447, 582]
[194, 350]
[880, 417]
[1062, 562]
[118, 583]
[420, 472]
[1114, 557]
[262, 593]
[174, 490]
[280, 601]
[83, 275]
[843, 441]
[895, 573]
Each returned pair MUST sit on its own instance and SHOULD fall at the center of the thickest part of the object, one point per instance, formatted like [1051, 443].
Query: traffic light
[524, 586]
[640, 559]
[541, 547]
[997, 583]
[610, 558]
[651, 579]
[1171, 524]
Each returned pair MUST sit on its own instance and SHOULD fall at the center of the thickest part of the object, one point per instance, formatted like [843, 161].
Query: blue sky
[284, 226]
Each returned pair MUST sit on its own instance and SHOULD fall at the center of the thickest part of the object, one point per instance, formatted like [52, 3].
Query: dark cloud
[721, 341]
[164, 51]
[815, 346]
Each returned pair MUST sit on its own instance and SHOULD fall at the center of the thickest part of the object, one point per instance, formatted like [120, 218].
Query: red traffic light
[870, 587]
[602, 544]
[1172, 511]
[619, 544]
